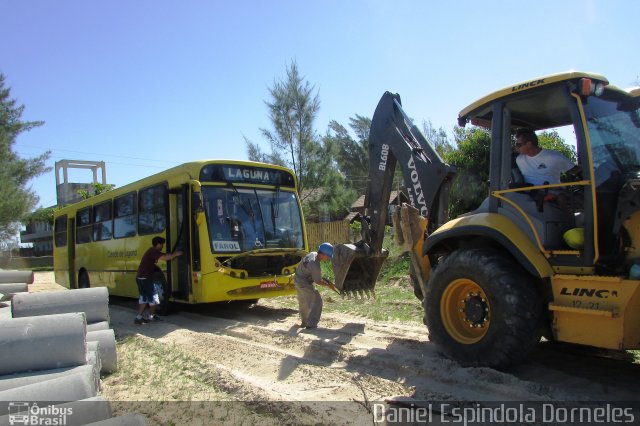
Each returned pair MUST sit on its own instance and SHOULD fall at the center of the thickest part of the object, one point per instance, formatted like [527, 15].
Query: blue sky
[144, 85]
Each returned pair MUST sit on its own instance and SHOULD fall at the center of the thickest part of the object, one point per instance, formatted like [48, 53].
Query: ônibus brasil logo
[24, 413]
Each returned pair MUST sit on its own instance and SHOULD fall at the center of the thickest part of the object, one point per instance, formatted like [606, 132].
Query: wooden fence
[337, 232]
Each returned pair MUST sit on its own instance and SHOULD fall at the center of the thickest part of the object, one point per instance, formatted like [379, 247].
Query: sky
[145, 85]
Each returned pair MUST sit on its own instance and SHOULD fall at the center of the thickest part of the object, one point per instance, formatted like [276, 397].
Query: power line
[118, 163]
[121, 164]
[98, 154]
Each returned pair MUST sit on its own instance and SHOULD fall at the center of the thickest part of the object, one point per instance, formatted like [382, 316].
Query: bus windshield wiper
[248, 210]
[275, 207]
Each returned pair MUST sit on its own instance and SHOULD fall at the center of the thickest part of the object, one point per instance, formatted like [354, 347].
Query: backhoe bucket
[356, 268]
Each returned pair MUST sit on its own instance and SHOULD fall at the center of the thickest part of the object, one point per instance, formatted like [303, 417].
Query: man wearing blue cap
[308, 273]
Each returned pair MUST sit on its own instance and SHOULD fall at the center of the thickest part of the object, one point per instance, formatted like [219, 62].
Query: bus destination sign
[245, 174]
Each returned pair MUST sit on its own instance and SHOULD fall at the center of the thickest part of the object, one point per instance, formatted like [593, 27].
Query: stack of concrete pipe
[12, 282]
[47, 360]
[53, 348]
[92, 302]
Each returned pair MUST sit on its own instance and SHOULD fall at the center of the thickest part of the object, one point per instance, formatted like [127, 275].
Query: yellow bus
[238, 223]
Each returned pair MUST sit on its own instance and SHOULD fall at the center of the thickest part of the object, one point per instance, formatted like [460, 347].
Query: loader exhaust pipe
[356, 268]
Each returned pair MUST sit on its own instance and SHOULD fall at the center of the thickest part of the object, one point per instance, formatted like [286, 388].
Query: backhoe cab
[495, 279]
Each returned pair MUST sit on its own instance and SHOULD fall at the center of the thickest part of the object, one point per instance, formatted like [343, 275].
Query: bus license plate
[269, 284]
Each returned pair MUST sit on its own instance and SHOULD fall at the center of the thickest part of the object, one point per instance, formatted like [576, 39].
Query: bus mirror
[199, 217]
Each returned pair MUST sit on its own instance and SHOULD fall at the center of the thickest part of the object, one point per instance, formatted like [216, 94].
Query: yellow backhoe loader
[523, 264]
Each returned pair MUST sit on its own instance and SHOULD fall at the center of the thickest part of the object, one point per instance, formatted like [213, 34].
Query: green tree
[96, 188]
[43, 214]
[16, 198]
[352, 155]
[552, 140]
[471, 156]
[438, 138]
[294, 143]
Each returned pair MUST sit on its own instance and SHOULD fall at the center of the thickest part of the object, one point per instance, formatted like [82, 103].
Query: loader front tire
[482, 309]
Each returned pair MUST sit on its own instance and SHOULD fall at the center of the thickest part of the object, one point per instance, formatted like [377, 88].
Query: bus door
[71, 253]
[180, 272]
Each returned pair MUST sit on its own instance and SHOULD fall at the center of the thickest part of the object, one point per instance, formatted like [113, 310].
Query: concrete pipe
[17, 380]
[42, 343]
[93, 359]
[95, 326]
[94, 302]
[67, 388]
[88, 410]
[132, 419]
[74, 413]
[107, 349]
[9, 289]
[16, 277]
[5, 311]
[93, 345]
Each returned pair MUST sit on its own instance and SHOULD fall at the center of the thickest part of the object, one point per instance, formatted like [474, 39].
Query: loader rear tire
[482, 309]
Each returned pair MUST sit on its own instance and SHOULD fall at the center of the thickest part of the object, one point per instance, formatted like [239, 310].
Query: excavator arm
[394, 140]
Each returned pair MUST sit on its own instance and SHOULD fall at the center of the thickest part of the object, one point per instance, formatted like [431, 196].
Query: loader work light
[587, 87]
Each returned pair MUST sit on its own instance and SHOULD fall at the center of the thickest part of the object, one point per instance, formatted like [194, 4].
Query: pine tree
[294, 143]
[352, 155]
[16, 198]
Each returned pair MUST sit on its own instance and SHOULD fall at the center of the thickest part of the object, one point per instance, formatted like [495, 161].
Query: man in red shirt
[146, 288]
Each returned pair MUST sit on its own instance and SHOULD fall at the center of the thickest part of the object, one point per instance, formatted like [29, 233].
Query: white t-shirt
[544, 167]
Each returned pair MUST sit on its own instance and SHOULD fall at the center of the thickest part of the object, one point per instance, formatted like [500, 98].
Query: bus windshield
[614, 130]
[242, 219]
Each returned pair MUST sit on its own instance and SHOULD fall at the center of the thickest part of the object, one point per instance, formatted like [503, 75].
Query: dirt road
[258, 353]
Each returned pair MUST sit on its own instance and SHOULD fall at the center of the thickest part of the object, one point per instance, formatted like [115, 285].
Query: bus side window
[60, 231]
[152, 212]
[102, 226]
[83, 225]
[124, 211]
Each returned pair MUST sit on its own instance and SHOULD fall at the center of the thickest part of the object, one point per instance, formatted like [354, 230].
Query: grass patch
[395, 268]
[146, 365]
[169, 386]
[394, 301]
[42, 269]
